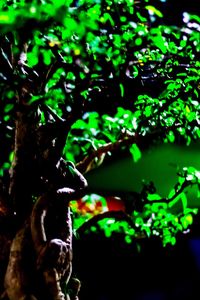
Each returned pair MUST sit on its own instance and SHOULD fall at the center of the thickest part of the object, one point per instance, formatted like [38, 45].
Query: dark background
[145, 270]
[173, 9]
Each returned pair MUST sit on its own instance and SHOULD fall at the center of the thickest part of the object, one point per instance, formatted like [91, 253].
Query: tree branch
[117, 215]
[87, 163]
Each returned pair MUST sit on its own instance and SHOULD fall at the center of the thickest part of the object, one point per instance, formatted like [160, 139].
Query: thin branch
[178, 192]
[85, 165]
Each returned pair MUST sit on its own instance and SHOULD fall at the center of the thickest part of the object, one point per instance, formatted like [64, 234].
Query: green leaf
[154, 10]
[171, 136]
[128, 239]
[121, 89]
[184, 201]
[7, 18]
[186, 220]
[8, 107]
[136, 153]
[153, 197]
[108, 17]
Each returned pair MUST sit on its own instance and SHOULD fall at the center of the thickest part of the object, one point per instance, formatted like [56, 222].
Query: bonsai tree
[82, 82]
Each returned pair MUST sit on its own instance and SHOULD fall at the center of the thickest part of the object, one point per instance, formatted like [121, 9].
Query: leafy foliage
[130, 79]
[157, 217]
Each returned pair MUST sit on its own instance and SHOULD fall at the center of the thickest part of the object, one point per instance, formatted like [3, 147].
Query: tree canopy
[123, 79]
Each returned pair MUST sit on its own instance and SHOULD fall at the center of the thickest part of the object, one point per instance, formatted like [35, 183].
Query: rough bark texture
[41, 252]
[22, 173]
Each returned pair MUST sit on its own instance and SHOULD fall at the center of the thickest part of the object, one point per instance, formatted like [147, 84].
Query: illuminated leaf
[128, 240]
[153, 197]
[121, 89]
[136, 153]
[154, 10]
[6, 18]
[171, 136]
[8, 107]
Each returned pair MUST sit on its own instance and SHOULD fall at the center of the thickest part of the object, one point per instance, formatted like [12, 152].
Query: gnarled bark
[41, 252]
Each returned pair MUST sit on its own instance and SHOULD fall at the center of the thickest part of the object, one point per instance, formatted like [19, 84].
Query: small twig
[167, 200]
